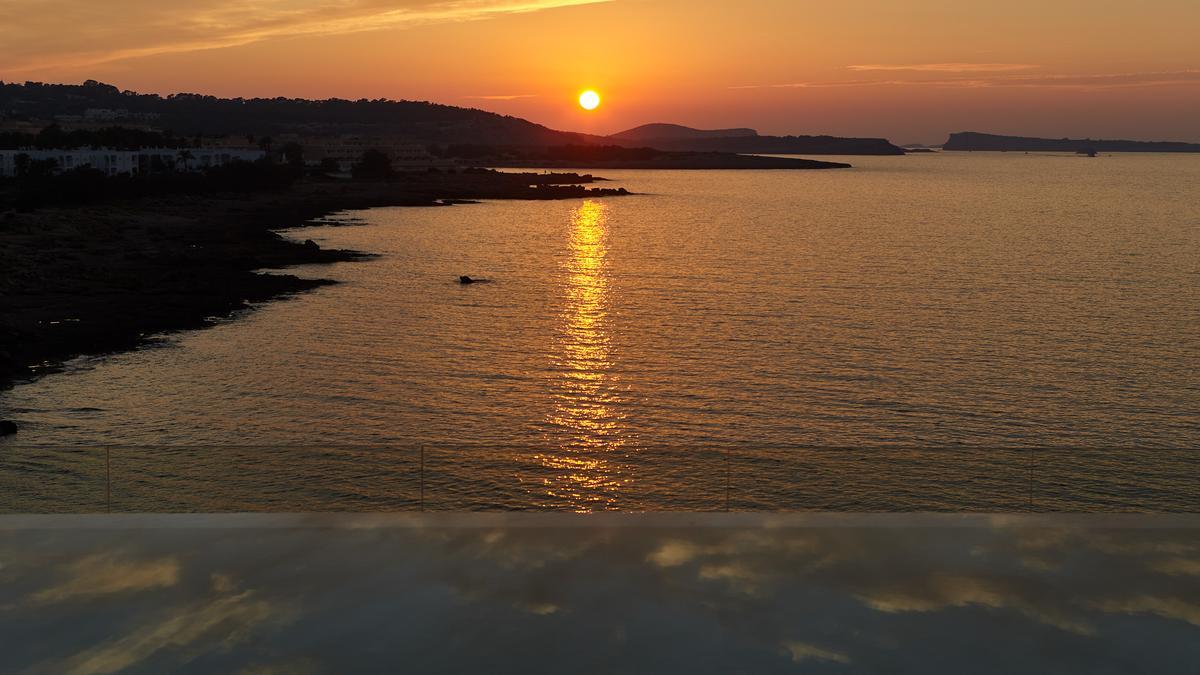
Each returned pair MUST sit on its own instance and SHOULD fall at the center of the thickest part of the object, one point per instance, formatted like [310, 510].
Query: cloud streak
[1080, 82]
[218, 624]
[38, 35]
[803, 651]
[948, 67]
[104, 574]
[501, 97]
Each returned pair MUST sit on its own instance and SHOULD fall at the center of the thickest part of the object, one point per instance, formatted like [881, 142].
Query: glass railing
[470, 477]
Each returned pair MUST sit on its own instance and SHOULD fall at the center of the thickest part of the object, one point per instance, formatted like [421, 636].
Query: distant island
[748, 141]
[678, 132]
[974, 141]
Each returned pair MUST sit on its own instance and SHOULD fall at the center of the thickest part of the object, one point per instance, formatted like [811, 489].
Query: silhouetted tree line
[209, 115]
[117, 138]
[39, 185]
[375, 164]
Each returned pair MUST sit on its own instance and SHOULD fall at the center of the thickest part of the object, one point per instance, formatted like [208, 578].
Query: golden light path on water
[585, 391]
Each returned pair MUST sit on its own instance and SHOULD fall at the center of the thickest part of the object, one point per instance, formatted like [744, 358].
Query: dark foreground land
[101, 277]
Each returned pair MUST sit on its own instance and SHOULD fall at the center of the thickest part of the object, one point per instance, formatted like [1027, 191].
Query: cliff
[660, 131]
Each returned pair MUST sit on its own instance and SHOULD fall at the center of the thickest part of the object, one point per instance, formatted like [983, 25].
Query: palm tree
[185, 156]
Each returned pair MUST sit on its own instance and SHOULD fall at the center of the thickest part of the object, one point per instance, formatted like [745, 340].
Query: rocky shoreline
[104, 277]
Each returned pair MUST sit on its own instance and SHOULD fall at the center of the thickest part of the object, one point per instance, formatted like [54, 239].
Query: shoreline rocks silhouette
[106, 277]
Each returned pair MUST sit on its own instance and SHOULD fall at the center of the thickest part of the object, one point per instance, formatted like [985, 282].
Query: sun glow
[587, 417]
[589, 100]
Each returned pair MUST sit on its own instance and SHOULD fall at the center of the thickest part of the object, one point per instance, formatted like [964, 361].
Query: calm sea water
[892, 336]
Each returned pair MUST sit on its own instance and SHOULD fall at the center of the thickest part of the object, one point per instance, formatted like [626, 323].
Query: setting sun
[589, 100]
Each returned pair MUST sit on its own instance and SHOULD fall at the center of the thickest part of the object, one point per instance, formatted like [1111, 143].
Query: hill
[975, 141]
[81, 114]
[748, 141]
[192, 114]
[660, 131]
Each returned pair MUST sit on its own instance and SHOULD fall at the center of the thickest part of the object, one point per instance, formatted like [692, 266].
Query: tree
[374, 164]
[293, 154]
[21, 164]
[185, 157]
[26, 167]
[51, 137]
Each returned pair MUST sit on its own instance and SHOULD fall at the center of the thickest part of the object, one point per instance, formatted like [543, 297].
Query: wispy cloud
[38, 35]
[104, 574]
[1081, 82]
[817, 84]
[803, 651]
[215, 625]
[1169, 607]
[501, 97]
[1105, 81]
[948, 67]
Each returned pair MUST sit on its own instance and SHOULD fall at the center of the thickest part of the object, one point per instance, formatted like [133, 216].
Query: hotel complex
[129, 162]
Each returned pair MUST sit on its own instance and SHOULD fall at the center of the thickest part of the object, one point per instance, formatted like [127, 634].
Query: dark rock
[7, 427]
[465, 280]
[311, 245]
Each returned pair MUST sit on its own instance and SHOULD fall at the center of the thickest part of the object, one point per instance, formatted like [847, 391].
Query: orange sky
[910, 71]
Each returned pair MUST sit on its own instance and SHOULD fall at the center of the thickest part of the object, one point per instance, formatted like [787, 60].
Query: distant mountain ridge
[976, 141]
[660, 130]
[748, 141]
[34, 105]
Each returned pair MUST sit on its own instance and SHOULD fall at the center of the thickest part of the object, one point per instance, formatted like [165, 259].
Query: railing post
[726, 480]
[108, 479]
[1030, 479]
[422, 478]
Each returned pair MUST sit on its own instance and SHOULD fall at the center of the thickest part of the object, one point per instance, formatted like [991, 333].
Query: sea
[942, 331]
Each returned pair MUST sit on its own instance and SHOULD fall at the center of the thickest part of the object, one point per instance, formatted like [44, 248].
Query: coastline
[102, 278]
[678, 161]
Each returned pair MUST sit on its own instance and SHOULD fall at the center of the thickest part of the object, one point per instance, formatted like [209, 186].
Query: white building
[131, 162]
[111, 162]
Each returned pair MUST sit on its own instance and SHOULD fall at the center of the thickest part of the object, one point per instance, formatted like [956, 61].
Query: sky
[910, 71]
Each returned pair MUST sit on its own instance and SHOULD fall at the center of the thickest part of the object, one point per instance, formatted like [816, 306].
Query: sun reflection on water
[586, 425]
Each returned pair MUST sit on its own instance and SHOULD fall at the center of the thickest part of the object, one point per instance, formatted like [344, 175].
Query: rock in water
[7, 427]
[465, 280]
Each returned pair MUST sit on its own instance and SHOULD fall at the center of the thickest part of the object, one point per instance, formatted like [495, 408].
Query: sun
[589, 100]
